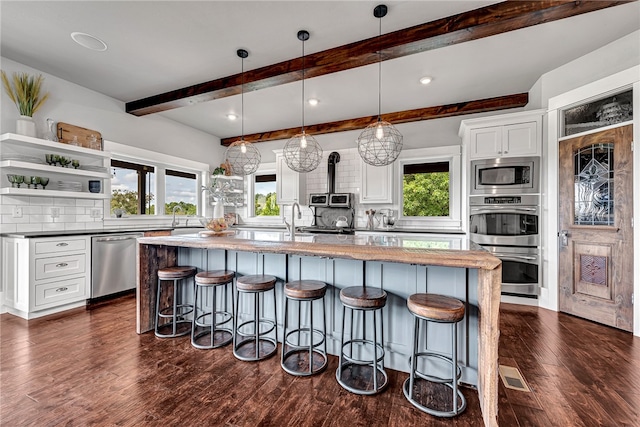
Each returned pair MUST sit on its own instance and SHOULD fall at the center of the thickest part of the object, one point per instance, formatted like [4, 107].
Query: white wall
[74, 104]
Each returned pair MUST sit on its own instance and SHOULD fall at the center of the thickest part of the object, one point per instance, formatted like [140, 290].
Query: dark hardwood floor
[91, 368]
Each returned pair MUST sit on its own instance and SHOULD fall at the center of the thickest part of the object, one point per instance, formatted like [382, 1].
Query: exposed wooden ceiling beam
[428, 113]
[484, 22]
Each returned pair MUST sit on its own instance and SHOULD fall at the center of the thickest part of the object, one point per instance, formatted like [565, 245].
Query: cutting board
[66, 132]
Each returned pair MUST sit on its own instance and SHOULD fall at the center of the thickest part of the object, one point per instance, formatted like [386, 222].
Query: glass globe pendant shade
[243, 157]
[379, 144]
[302, 153]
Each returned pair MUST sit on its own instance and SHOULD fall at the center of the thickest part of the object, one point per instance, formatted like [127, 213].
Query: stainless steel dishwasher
[113, 263]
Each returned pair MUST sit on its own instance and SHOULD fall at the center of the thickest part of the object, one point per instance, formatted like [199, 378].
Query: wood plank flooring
[88, 368]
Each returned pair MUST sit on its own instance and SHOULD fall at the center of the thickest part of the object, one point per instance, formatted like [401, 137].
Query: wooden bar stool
[356, 373]
[178, 325]
[440, 309]
[298, 358]
[257, 344]
[207, 331]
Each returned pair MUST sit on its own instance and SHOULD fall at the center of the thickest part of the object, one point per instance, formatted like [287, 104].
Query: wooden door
[596, 237]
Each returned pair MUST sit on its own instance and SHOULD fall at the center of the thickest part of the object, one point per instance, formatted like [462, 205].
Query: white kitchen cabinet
[45, 275]
[509, 135]
[376, 183]
[290, 185]
[24, 155]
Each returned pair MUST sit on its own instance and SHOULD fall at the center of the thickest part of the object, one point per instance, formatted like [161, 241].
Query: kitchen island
[400, 265]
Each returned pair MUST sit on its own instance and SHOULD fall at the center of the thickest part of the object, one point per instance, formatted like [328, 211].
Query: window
[425, 190]
[429, 183]
[132, 187]
[180, 193]
[264, 191]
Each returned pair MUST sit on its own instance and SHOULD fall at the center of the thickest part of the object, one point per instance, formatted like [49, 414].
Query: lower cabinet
[42, 276]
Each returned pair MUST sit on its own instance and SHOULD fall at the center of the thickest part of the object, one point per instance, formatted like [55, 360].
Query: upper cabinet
[27, 157]
[291, 186]
[509, 135]
[376, 183]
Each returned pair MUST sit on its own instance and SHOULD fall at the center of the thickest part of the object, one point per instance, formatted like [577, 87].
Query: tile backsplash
[34, 213]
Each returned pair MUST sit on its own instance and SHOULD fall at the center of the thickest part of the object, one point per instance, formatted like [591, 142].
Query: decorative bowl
[214, 224]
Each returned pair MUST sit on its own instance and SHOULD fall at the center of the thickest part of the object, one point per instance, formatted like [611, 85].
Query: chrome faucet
[292, 231]
[175, 208]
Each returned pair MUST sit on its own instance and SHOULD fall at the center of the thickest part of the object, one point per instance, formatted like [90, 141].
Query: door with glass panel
[596, 237]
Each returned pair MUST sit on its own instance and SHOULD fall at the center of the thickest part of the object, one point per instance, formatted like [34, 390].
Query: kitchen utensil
[341, 221]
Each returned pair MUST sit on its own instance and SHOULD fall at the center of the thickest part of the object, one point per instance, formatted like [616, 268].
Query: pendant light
[380, 143]
[302, 153]
[243, 156]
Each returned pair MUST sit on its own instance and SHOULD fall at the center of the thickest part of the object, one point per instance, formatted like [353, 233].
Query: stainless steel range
[332, 212]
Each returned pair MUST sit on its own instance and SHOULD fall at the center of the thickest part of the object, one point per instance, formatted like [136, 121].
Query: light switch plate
[17, 212]
[55, 212]
[95, 213]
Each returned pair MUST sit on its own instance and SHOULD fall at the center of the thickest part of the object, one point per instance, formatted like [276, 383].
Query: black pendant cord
[303, 86]
[242, 101]
[379, 69]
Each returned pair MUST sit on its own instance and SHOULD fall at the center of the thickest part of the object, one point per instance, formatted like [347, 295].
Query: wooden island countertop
[159, 252]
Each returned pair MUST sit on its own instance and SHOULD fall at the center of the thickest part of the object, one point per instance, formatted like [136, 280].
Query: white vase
[218, 209]
[26, 126]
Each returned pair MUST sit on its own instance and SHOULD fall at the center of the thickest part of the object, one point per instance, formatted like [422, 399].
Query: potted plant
[25, 91]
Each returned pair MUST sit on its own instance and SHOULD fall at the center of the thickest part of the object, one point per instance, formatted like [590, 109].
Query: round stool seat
[256, 283]
[436, 307]
[363, 297]
[177, 272]
[305, 289]
[215, 277]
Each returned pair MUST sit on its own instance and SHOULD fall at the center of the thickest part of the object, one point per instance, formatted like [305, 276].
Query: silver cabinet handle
[118, 238]
[62, 244]
[62, 289]
[62, 264]
[512, 256]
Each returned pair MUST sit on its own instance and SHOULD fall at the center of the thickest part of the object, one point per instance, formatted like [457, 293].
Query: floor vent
[512, 378]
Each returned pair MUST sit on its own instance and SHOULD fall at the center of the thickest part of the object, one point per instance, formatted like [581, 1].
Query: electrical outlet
[55, 212]
[95, 213]
[17, 212]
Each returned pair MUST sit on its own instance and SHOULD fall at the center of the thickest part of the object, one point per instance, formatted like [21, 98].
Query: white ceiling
[158, 46]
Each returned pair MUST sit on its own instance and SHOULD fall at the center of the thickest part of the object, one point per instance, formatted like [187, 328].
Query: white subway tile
[6, 209]
[73, 210]
[34, 219]
[64, 202]
[32, 210]
[75, 226]
[57, 226]
[30, 227]
[85, 202]
[41, 201]
[9, 219]
[8, 228]
[15, 200]
[66, 218]
[84, 218]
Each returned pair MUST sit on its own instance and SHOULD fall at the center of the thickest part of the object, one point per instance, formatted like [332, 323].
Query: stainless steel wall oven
[509, 227]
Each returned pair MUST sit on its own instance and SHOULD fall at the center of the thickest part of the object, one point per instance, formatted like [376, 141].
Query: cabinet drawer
[61, 245]
[64, 291]
[48, 268]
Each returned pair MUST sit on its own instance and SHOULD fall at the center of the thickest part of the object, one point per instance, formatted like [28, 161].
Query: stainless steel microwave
[510, 175]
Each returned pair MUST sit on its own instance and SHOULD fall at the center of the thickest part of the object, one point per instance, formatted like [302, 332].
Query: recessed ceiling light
[425, 80]
[89, 41]
[232, 116]
[313, 101]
